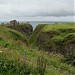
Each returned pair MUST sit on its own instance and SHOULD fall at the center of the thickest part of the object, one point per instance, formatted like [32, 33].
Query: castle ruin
[13, 23]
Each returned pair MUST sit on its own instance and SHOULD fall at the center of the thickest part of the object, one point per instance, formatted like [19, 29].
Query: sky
[37, 10]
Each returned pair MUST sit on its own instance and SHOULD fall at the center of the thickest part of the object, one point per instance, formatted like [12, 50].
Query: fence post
[24, 57]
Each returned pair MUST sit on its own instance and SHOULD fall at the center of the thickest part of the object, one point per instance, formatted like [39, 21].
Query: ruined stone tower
[13, 23]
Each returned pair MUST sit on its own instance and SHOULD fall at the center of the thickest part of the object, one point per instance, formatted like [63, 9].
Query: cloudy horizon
[37, 10]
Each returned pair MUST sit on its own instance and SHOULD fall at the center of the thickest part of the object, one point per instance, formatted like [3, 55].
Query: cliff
[57, 38]
[25, 29]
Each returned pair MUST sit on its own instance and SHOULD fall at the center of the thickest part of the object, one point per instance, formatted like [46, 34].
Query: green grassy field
[58, 26]
[13, 44]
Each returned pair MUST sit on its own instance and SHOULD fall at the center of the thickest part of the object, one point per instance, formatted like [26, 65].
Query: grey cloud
[34, 8]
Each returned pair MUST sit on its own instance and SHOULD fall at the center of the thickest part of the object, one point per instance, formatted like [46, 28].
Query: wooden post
[24, 57]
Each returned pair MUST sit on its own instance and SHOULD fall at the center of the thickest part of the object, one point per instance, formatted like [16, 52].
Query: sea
[35, 23]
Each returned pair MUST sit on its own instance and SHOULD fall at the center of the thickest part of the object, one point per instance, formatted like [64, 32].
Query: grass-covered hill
[12, 56]
[24, 28]
[9, 38]
[58, 38]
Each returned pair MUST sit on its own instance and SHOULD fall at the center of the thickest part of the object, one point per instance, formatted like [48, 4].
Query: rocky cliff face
[55, 38]
[25, 29]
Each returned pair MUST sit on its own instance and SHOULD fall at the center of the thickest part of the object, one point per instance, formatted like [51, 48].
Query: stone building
[13, 22]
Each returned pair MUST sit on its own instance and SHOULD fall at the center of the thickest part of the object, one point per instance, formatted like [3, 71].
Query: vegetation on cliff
[24, 28]
[59, 38]
[38, 62]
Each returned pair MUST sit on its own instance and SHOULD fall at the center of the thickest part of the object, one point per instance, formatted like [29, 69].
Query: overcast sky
[38, 10]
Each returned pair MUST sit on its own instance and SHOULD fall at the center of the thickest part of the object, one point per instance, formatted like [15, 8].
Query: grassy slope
[64, 30]
[25, 29]
[9, 38]
[58, 26]
[49, 27]
[34, 35]
[12, 47]
[53, 35]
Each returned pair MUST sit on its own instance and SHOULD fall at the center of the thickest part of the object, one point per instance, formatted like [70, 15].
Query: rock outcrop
[25, 29]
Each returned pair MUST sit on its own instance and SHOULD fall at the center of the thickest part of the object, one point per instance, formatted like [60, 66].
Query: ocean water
[35, 23]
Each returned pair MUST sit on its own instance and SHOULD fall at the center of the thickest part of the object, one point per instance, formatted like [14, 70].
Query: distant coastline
[35, 23]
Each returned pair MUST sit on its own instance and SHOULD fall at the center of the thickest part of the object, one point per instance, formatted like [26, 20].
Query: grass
[58, 26]
[13, 44]
[54, 63]
[53, 35]
[23, 28]
[9, 38]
